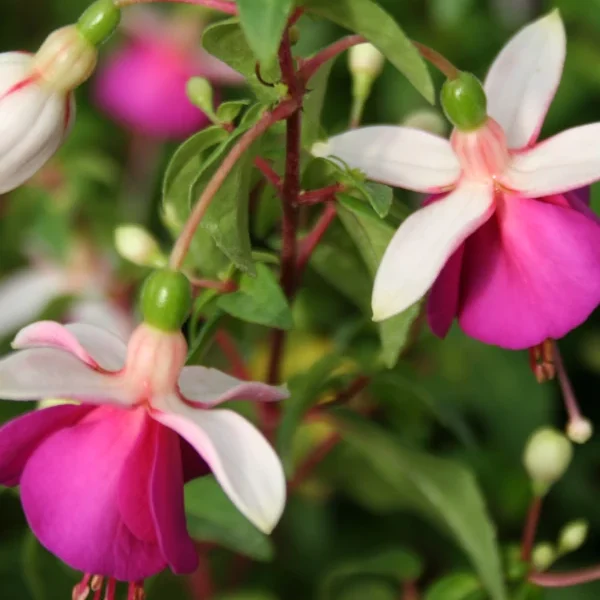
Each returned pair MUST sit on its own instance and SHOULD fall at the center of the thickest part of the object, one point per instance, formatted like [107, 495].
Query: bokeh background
[457, 398]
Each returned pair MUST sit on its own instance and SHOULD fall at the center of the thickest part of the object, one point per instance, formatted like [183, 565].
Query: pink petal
[42, 373]
[94, 346]
[241, 459]
[166, 490]
[442, 304]
[524, 77]
[24, 294]
[564, 162]
[20, 437]
[424, 243]
[211, 387]
[70, 494]
[531, 273]
[399, 156]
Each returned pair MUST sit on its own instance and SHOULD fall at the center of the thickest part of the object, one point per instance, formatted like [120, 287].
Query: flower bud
[99, 21]
[166, 299]
[580, 430]
[136, 245]
[65, 60]
[365, 59]
[572, 536]
[547, 456]
[464, 102]
[543, 556]
[200, 93]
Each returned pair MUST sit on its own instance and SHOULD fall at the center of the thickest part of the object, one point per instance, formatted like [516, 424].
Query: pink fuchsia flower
[102, 482]
[143, 84]
[507, 249]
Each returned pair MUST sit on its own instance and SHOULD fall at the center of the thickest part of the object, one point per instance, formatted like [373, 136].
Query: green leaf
[211, 517]
[229, 111]
[380, 197]
[305, 390]
[442, 490]
[263, 22]
[457, 586]
[259, 300]
[313, 105]
[227, 42]
[373, 590]
[398, 565]
[248, 595]
[372, 236]
[370, 20]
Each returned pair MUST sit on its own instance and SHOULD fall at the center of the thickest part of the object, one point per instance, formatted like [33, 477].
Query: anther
[81, 590]
[136, 591]
[541, 361]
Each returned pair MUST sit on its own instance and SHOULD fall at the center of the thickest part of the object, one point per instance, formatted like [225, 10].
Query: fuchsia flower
[507, 250]
[143, 84]
[102, 481]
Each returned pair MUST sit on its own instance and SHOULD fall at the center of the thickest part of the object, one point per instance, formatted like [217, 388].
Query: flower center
[483, 153]
[95, 583]
[154, 361]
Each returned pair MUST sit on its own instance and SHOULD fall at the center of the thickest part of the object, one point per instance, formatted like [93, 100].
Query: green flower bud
[99, 21]
[543, 556]
[200, 93]
[464, 102]
[572, 536]
[166, 299]
[136, 244]
[547, 456]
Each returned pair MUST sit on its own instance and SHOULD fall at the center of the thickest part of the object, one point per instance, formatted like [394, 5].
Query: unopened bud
[65, 60]
[580, 430]
[365, 58]
[136, 245]
[427, 119]
[573, 536]
[547, 456]
[200, 93]
[543, 556]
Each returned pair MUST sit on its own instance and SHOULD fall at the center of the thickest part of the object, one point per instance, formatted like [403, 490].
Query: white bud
[543, 556]
[547, 456]
[136, 245]
[572, 536]
[365, 58]
[65, 60]
[580, 430]
[35, 120]
[427, 119]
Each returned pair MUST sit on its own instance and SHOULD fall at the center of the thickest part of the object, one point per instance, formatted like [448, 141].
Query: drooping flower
[102, 481]
[506, 249]
[37, 106]
[143, 84]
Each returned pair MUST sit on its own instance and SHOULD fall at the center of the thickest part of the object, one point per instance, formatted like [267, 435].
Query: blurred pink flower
[142, 85]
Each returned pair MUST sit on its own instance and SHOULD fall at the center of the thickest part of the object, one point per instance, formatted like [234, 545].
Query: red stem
[232, 354]
[224, 287]
[313, 460]
[312, 65]
[437, 60]
[181, 247]
[530, 529]
[560, 580]
[410, 591]
[269, 173]
[320, 195]
[310, 242]
[223, 6]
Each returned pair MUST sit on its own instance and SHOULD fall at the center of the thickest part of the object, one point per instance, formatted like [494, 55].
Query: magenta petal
[70, 489]
[442, 304]
[166, 490]
[20, 437]
[531, 272]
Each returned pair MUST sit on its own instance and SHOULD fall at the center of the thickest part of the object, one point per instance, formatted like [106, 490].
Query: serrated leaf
[370, 20]
[441, 489]
[305, 390]
[396, 564]
[263, 22]
[372, 236]
[211, 517]
[457, 586]
[259, 300]
[226, 41]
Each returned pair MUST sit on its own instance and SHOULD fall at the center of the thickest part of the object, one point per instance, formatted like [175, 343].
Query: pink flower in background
[102, 481]
[508, 249]
[142, 84]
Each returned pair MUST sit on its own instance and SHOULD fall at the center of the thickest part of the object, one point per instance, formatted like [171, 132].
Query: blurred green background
[457, 398]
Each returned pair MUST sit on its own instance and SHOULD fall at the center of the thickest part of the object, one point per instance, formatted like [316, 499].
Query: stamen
[579, 429]
[541, 361]
[81, 590]
[111, 587]
[136, 591]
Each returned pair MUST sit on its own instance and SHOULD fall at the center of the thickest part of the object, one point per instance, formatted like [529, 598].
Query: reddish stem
[410, 591]
[320, 195]
[313, 460]
[223, 6]
[224, 287]
[269, 173]
[181, 247]
[310, 242]
[232, 354]
[312, 65]
[561, 580]
[201, 581]
[355, 387]
[437, 60]
[530, 529]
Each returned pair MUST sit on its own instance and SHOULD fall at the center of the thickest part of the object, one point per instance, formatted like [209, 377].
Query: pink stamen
[136, 591]
[111, 588]
[81, 590]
